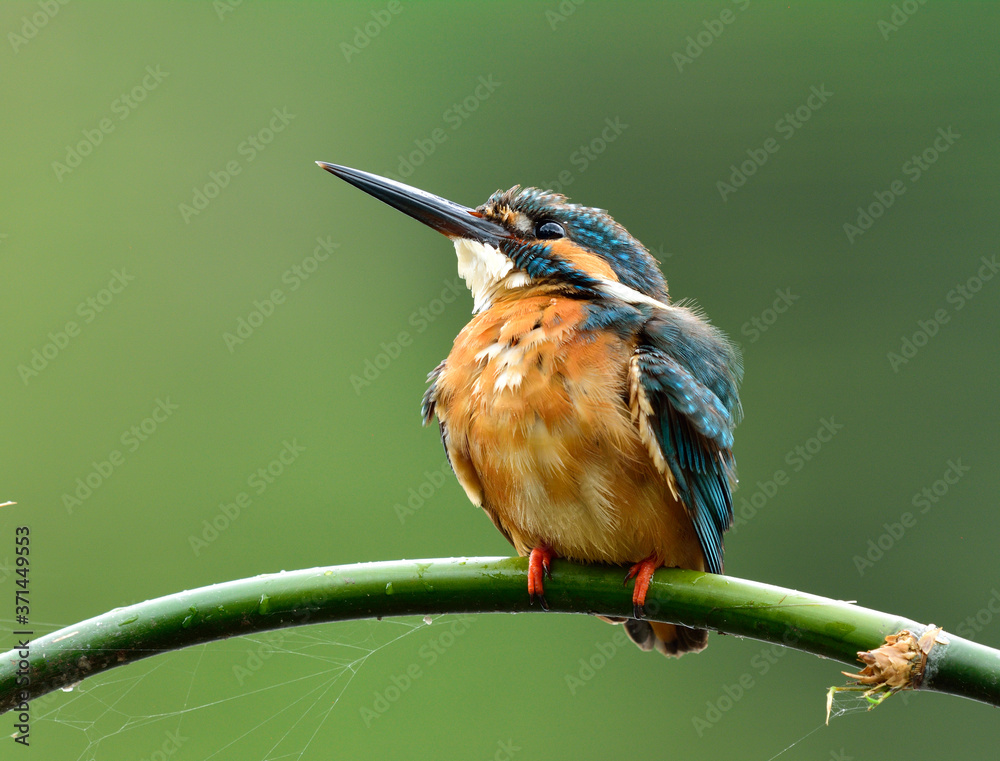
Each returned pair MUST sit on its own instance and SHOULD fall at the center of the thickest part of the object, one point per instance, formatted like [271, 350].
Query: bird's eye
[549, 231]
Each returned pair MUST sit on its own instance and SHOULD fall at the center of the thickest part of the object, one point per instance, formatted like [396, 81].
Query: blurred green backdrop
[160, 189]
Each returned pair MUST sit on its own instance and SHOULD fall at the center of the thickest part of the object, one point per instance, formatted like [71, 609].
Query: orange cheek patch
[583, 260]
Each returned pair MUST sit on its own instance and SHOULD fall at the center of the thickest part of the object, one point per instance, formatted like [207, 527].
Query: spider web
[850, 701]
[844, 703]
[268, 696]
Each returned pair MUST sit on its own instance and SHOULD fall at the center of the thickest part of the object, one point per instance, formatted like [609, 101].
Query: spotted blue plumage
[690, 374]
[590, 228]
[535, 259]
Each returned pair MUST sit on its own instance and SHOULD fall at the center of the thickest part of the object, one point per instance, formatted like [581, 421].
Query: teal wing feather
[689, 378]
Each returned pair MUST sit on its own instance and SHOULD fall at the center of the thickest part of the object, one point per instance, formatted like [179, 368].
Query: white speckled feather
[485, 270]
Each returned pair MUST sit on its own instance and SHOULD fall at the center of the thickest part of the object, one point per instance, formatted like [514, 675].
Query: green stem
[828, 628]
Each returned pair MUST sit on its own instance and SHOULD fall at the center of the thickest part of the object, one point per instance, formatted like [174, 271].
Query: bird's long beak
[447, 217]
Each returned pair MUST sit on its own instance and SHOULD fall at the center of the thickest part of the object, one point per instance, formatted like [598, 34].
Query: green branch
[828, 628]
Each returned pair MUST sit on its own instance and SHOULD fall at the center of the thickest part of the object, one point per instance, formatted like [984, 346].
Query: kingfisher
[589, 416]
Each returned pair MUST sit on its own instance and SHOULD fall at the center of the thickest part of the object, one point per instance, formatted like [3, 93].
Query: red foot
[642, 572]
[539, 565]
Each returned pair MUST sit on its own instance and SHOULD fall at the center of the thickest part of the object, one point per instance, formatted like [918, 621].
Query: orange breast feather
[538, 428]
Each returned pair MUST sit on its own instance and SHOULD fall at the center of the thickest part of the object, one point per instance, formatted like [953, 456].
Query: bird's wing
[682, 393]
[460, 463]
[429, 402]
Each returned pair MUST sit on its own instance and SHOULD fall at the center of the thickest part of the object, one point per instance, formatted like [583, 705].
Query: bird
[589, 416]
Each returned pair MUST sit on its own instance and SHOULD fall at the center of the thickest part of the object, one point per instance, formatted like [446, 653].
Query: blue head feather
[521, 209]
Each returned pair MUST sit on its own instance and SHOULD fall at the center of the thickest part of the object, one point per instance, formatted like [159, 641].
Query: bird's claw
[539, 566]
[542, 602]
[642, 572]
[631, 574]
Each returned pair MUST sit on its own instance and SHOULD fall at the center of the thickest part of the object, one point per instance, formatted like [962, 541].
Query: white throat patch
[486, 270]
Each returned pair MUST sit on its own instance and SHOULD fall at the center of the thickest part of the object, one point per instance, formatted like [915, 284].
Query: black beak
[447, 217]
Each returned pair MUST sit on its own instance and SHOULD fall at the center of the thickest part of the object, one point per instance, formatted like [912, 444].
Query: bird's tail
[673, 640]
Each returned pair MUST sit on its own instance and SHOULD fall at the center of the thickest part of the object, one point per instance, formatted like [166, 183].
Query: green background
[558, 72]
